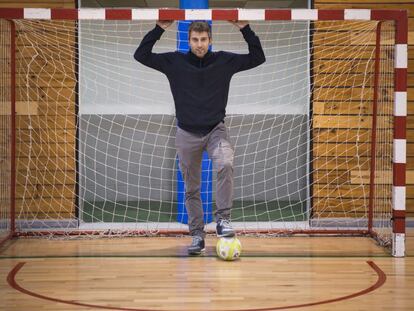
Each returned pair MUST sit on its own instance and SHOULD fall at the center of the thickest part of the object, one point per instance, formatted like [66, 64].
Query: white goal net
[95, 129]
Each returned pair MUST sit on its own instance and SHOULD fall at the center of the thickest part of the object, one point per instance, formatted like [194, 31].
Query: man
[199, 82]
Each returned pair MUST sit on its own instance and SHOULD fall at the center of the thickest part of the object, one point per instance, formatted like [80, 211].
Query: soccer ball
[228, 248]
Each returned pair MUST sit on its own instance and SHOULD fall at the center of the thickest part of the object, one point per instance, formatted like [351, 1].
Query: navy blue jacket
[200, 86]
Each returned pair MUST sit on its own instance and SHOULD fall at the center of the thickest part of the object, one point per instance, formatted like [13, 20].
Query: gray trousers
[190, 149]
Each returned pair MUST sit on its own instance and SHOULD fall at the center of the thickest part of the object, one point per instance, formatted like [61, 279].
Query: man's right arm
[144, 54]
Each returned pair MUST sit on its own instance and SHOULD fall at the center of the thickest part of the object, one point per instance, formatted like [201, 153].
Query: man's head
[199, 38]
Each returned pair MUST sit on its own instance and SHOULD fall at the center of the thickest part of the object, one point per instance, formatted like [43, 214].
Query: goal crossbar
[399, 16]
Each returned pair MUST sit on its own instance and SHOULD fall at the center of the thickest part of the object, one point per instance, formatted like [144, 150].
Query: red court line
[11, 280]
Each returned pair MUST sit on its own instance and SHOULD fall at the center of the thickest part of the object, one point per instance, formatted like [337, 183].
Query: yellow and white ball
[228, 248]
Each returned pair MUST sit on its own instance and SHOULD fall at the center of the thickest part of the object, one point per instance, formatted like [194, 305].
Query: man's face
[199, 42]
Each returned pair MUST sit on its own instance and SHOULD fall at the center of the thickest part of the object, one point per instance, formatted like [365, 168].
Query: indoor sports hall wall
[388, 4]
[43, 194]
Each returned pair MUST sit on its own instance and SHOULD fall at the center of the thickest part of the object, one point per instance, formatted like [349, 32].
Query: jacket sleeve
[254, 58]
[144, 54]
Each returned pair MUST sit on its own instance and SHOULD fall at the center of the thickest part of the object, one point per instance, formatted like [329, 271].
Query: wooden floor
[299, 273]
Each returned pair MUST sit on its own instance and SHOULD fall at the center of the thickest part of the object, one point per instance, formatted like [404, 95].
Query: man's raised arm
[256, 55]
[144, 54]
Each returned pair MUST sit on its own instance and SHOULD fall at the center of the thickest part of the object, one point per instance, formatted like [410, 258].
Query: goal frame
[400, 77]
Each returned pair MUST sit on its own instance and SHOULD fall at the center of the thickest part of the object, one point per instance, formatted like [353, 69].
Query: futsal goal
[87, 133]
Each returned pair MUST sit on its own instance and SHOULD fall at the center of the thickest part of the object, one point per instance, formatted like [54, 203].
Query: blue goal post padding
[206, 167]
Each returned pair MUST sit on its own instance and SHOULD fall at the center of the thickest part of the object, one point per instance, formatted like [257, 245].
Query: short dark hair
[198, 26]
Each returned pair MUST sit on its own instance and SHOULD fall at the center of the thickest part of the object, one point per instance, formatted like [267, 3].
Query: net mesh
[96, 130]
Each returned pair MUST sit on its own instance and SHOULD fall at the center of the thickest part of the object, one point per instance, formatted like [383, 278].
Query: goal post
[318, 130]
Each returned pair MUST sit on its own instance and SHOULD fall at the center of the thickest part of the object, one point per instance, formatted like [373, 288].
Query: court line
[206, 256]
[11, 280]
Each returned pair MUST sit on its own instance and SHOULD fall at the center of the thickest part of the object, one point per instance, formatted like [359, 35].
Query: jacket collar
[196, 58]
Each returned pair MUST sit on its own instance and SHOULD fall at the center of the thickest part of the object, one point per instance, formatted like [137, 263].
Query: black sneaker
[197, 246]
[224, 229]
